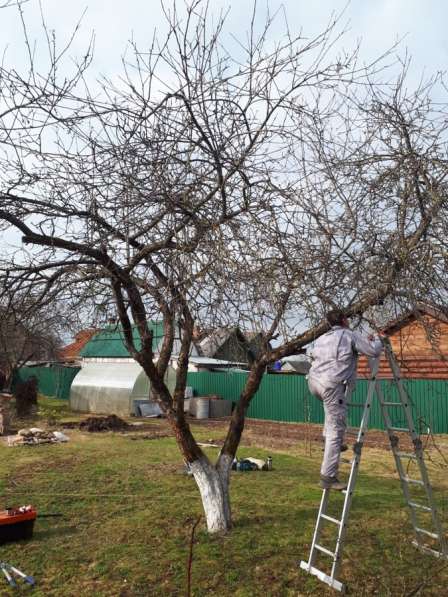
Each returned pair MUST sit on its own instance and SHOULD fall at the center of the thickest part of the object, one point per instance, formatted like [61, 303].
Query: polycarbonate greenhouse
[110, 381]
[111, 387]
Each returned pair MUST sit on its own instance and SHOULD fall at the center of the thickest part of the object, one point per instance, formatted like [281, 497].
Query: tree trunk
[213, 484]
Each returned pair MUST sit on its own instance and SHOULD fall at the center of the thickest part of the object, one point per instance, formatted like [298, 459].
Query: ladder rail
[321, 516]
[354, 470]
[398, 463]
[402, 393]
[318, 527]
[418, 448]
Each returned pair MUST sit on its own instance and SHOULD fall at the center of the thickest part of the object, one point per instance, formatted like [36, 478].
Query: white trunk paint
[213, 484]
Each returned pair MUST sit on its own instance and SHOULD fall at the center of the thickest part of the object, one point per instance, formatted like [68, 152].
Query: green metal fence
[281, 397]
[286, 398]
[54, 381]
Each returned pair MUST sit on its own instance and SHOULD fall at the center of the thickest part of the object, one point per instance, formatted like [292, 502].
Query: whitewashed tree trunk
[213, 484]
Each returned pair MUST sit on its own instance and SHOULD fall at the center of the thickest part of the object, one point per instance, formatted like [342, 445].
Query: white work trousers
[332, 395]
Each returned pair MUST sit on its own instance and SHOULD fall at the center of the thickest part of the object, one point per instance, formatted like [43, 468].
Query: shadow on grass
[43, 534]
[297, 516]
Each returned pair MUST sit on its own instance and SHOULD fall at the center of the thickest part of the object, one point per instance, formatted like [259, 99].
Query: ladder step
[402, 429]
[415, 481]
[419, 506]
[406, 455]
[329, 580]
[325, 550]
[429, 551]
[392, 404]
[335, 520]
[425, 532]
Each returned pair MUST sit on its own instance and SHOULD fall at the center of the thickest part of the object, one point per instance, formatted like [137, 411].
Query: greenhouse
[111, 387]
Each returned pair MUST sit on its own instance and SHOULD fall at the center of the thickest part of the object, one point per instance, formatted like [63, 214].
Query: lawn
[128, 512]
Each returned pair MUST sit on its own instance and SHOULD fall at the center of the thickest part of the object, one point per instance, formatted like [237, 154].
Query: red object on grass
[17, 523]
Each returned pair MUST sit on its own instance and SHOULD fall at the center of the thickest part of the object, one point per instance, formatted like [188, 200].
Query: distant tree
[253, 186]
[30, 329]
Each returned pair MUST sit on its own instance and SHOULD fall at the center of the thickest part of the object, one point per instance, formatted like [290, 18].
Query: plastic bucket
[200, 407]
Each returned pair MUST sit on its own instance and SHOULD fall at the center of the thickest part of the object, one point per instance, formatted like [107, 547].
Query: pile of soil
[109, 423]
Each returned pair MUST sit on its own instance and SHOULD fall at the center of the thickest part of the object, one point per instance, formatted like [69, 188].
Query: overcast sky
[378, 23]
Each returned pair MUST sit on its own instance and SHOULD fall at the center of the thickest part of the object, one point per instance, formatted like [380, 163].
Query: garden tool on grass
[10, 571]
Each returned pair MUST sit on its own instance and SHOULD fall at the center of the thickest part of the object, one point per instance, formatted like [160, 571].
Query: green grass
[54, 409]
[128, 515]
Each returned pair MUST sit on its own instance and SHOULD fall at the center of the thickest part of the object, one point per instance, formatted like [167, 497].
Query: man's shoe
[332, 483]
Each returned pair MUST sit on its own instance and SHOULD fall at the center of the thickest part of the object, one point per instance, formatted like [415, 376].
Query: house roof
[210, 362]
[212, 340]
[72, 350]
[439, 313]
[297, 362]
[211, 343]
[109, 343]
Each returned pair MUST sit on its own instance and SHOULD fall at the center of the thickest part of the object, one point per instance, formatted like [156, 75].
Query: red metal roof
[71, 351]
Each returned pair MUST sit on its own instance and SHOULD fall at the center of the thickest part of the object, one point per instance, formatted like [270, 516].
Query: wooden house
[419, 339]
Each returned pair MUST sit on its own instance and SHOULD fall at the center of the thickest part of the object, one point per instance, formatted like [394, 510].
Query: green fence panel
[54, 381]
[228, 384]
[44, 376]
[279, 397]
[64, 377]
[286, 398]
[428, 399]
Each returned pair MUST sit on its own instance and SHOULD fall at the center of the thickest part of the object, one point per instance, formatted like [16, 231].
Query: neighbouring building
[228, 344]
[299, 363]
[71, 352]
[419, 339]
[111, 381]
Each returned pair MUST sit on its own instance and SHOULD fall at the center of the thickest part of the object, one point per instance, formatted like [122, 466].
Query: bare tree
[248, 189]
[31, 324]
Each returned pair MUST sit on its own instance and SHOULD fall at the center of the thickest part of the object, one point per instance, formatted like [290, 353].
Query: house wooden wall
[421, 348]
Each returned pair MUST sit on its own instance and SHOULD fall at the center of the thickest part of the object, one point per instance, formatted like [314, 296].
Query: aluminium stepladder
[436, 533]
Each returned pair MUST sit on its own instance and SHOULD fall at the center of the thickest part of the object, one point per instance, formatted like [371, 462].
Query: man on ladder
[333, 371]
[334, 363]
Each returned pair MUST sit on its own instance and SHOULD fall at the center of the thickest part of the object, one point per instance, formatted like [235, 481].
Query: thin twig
[425, 582]
[190, 556]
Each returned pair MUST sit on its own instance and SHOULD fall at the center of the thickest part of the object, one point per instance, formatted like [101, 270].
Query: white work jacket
[335, 354]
